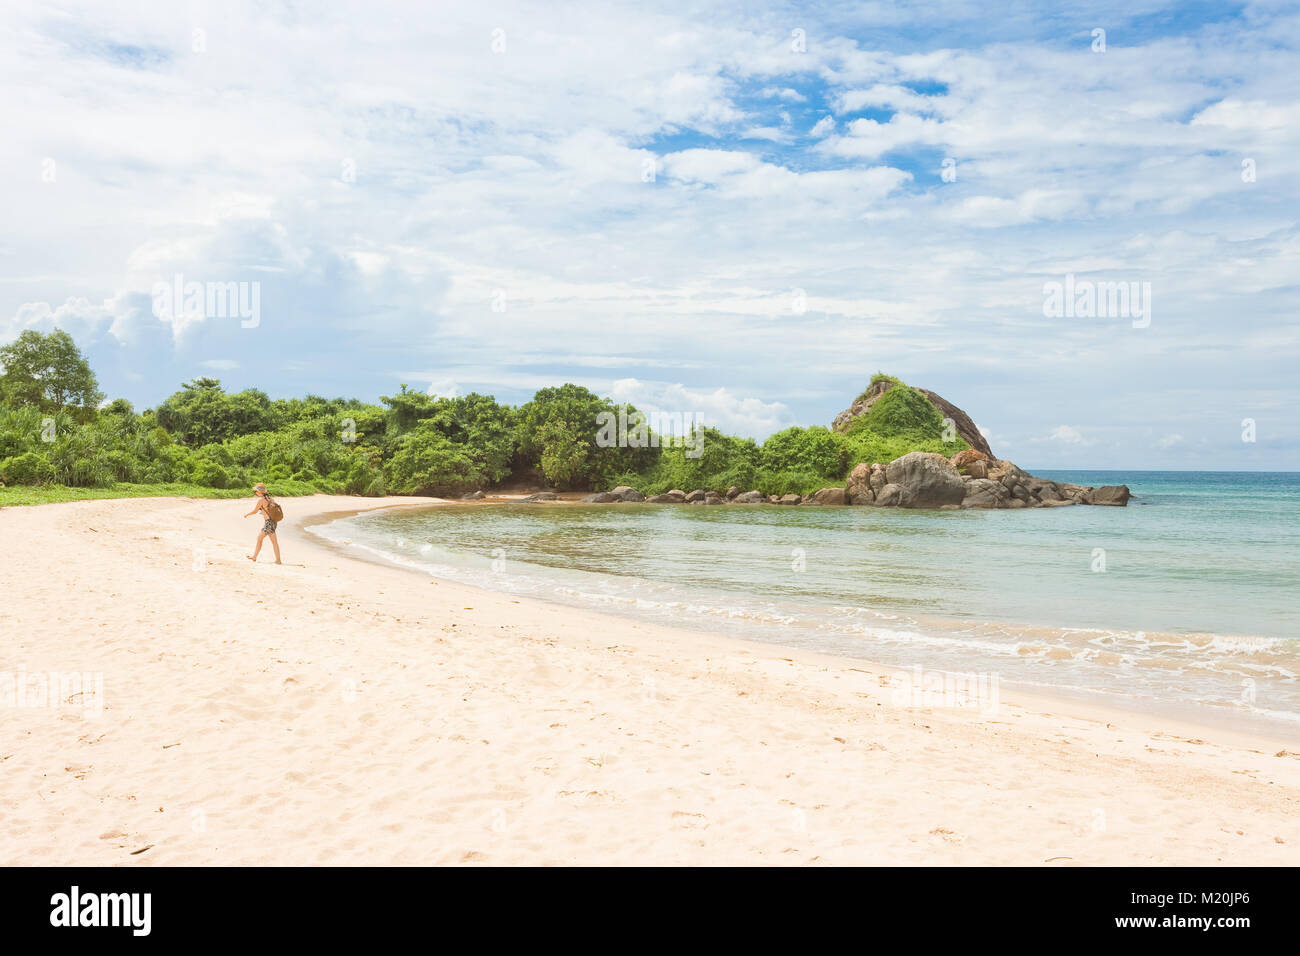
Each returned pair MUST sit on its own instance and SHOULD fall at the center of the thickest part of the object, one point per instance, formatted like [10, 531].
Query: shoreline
[331, 711]
[1278, 727]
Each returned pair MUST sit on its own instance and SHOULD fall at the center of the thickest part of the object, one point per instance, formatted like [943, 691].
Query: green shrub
[793, 483]
[426, 463]
[211, 475]
[812, 450]
[29, 468]
[901, 410]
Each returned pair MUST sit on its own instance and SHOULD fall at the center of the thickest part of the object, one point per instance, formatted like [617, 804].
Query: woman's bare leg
[257, 550]
[275, 543]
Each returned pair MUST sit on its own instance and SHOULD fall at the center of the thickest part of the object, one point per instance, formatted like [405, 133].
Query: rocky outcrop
[542, 496]
[962, 423]
[966, 427]
[927, 480]
[916, 480]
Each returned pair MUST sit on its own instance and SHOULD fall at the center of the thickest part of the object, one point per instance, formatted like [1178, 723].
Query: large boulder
[977, 469]
[542, 496]
[599, 498]
[733, 491]
[858, 489]
[892, 496]
[828, 496]
[697, 495]
[472, 496]
[749, 498]
[1116, 495]
[928, 480]
[985, 493]
[1044, 489]
[667, 498]
[791, 499]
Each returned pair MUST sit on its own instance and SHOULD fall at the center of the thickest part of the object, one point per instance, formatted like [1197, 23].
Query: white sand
[337, 711]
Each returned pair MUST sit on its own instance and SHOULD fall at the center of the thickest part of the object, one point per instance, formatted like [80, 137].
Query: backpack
[273, 510]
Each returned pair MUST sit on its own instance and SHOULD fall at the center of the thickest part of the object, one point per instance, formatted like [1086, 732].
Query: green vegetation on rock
[899, 421]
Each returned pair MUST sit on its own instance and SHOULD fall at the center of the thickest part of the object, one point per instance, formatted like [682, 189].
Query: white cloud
[443, 388]
[888, 96]
[822, 127]
[1067, 434]
[786, 95]
[868, 139]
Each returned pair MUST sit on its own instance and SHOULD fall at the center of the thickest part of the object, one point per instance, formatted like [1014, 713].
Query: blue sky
[736, 210]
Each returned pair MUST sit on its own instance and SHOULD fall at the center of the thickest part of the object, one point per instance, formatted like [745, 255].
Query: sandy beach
[337, 711]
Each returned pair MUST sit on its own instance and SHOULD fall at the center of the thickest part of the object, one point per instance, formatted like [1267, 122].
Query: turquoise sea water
[1197, 602]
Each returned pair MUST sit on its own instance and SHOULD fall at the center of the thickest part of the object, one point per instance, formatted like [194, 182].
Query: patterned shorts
[268, 526]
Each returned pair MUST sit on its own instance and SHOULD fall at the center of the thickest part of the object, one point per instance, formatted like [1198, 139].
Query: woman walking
[273, 513]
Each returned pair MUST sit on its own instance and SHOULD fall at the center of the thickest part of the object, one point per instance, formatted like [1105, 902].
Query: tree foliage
[48, 372]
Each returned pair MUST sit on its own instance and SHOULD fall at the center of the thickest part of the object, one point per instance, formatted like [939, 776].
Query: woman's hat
[259, 487]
